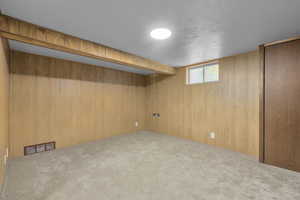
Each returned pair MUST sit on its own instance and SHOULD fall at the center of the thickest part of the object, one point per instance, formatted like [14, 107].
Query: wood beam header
[15, 29]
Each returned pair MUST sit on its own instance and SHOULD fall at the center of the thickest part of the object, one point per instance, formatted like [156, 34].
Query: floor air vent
[37, 148]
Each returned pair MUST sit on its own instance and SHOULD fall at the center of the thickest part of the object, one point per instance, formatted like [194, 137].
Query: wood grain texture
[15, 29]
[282, 41]
[4, 104]
[262, 104]
[230, 107]
[71, 103]
[282, 110]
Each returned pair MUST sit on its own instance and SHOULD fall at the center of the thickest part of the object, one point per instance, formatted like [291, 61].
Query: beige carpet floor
[147, 166]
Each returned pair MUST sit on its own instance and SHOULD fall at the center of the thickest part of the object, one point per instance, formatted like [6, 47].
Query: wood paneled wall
[4, 95]
[230, 107]
[71, 103]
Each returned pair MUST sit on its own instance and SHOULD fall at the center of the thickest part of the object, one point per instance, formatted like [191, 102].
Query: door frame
[262, 103]
[261, 49]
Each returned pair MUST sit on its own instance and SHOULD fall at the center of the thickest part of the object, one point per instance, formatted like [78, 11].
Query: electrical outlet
[212, 135]
[136, 124]
[5, 159]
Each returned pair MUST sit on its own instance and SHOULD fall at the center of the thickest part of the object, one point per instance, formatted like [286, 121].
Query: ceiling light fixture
[161, 33]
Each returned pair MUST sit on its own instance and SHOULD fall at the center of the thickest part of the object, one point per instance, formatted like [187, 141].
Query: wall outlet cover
[212, 135]
[5, 160]
[136, 124]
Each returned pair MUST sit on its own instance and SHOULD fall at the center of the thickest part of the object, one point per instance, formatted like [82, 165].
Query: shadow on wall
[157, 78]
[29, 64]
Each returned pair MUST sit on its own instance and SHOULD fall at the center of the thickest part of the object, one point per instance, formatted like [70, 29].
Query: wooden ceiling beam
[15, 29]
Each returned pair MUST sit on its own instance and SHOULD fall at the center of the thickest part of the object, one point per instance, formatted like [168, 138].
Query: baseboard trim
[3, 187]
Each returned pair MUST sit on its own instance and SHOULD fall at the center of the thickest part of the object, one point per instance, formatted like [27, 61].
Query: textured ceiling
[202, 29]
[66, 56]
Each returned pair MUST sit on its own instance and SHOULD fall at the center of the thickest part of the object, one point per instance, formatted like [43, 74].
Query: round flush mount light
[161, 33]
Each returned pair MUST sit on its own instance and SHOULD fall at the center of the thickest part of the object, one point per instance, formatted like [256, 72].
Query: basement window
[202, 74]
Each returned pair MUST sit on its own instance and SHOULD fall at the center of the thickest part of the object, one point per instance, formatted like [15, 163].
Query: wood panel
[282, 41]
[262, 104]
[282, 110]
[4, 95]
[71, 103]
[15, 29]
[230, 107]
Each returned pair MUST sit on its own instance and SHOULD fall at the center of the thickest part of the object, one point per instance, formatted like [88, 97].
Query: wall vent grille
[38, 148]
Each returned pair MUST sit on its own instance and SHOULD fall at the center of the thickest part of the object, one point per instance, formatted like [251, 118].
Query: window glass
[196, 75]
[203, 74]
[211, 73]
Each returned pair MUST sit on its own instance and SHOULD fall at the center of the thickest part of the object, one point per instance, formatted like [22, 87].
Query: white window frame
[201, 66]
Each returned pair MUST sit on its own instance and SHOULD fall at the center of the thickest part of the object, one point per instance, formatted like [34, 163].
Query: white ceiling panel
[201, 29]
